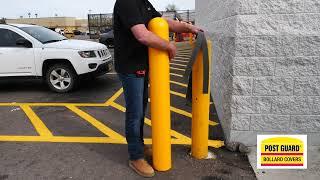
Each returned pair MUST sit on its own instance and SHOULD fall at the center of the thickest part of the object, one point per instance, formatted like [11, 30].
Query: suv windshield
[43, 35]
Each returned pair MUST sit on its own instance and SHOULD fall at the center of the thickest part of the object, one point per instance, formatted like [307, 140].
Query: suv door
[15, 60]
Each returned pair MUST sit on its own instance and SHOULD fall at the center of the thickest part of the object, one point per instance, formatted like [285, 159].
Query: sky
[73, 8]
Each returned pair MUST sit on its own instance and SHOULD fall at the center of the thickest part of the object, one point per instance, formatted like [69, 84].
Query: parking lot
[80, 135]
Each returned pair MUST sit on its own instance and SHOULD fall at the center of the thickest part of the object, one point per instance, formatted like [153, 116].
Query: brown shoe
[142, 167]
[148, 151]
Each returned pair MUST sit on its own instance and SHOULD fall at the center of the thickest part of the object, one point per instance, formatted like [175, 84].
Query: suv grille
[103, 53]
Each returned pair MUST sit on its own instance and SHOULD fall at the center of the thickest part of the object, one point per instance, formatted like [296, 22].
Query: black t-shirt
[129, 54]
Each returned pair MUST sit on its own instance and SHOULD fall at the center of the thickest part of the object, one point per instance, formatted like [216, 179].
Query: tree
[2, 21]
[171, 7]
[36, 15]
[29, 14]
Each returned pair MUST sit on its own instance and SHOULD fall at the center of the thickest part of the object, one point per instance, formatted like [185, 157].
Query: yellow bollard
[160, 98]
[200, 110]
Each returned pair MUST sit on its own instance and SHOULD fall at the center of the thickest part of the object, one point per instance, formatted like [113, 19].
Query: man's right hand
[172, 50]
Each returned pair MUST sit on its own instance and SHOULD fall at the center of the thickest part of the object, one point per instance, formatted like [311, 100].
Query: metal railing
[100, 23]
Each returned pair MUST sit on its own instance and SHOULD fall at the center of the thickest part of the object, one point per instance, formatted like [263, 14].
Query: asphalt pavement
[80, 135]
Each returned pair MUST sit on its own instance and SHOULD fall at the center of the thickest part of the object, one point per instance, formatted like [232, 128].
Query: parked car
[107, 39]
[77, 32]
[35, 51]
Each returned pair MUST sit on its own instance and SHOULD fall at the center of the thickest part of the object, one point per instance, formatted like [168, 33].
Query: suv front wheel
[61, 78]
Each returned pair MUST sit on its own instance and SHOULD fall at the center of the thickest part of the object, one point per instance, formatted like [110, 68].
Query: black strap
[201, 44]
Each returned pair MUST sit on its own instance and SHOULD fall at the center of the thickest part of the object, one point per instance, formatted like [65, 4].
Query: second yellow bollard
[200, 110]
[160, 98]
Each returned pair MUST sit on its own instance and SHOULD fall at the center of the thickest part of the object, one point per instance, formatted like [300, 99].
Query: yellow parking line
[186, 56]
[182, 138]
[175, 60]
[62, 139]
[178, 111]
[215, 143]
[174, 74]
[52, 104]
[178, 69]
[178, 94]
[182, 65]
[115, 96]
[118, 106]
[100, 126]
[180, 84]
[94, 140]
[187, 114]
[40, 127]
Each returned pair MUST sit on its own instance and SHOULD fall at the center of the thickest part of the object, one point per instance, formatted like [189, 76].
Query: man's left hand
[194, 29]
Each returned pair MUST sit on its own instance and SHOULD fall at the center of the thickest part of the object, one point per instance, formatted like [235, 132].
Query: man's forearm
[176, 26]
[154, 41]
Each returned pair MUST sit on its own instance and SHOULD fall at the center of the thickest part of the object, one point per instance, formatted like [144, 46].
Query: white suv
[35, 51]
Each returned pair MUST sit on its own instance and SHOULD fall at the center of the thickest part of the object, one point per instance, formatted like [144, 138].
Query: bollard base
[211, 155]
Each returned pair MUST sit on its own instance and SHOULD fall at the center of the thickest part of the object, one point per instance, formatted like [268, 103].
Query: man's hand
[194, 29]
[183, 27]
[172, 50]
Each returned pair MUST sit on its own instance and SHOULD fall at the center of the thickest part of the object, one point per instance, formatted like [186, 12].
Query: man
[132, 40]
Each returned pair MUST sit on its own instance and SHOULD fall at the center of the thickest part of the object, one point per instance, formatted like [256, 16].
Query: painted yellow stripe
[181, 61]
[118, 106]
[187, 114]
[175, 134]
[115, 96]
[215, 143]
[178, 94]
[178, 69]
[182, 138]
[174, 74]
[93, 140]
[183, 58]
[180, 84]
[184, 113]
[40, 127]
[52, 104]
[182, 65]
[62, 139]
[94, 122]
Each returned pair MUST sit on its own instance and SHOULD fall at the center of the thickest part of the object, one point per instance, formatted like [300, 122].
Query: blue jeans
[136, 97]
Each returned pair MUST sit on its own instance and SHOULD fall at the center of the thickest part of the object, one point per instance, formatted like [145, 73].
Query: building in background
[65, 23]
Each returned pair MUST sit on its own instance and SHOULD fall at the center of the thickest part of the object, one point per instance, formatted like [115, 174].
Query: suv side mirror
[24, 43]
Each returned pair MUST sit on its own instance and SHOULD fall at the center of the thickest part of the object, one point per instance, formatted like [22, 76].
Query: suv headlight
[87, 54]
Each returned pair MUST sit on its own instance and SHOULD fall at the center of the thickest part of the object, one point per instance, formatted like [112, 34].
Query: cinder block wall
[266, 66]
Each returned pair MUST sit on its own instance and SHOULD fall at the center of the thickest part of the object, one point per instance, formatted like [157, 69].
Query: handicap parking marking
[180, 61]
[94, 122]
[178, 83]
[112, 137]
[176, 64]
[40, 127]
[175, 74]
[178, 69]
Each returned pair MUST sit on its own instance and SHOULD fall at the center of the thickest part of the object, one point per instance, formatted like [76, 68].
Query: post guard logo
[282, 151]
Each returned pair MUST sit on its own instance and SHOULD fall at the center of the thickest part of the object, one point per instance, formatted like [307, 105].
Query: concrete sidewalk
[312, 173]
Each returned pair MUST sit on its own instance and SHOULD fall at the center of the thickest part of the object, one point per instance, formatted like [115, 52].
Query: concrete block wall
[266, 66]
